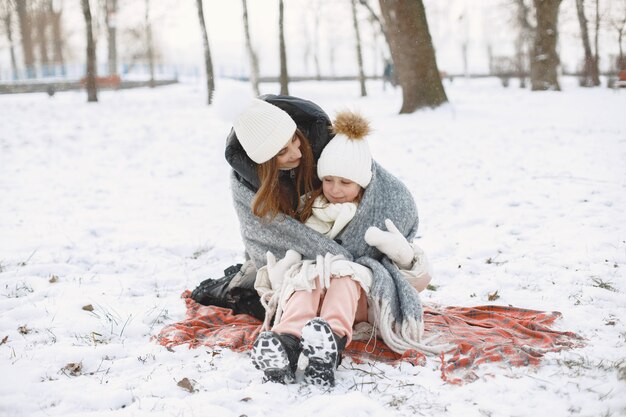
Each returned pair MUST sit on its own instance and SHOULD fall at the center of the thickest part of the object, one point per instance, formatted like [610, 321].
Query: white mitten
[392, 243]
[276, 270]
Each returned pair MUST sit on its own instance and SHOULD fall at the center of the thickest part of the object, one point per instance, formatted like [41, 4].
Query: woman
[286, 181]
[273, 173]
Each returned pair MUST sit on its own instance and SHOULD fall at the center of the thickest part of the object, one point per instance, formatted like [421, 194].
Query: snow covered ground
[124, 204]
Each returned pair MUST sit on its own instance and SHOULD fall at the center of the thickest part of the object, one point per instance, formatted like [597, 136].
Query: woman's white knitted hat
[348, 154]
[263, 130]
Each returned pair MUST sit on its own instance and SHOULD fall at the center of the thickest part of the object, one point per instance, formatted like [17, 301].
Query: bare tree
[110, 21]
[332, 55]
[92, 89]
[284, 76]
[524, 39]
[6, 15]
[40, 16]
[591, 76]
[413, 54]
[545, 60]
[254, 61]
[375, 18]
[618, 22]
[149, 45]
[135, 52]
[58, 42]
[381, 26]
[359, 55]
[597, 36]
[208, 64]
[24, 18]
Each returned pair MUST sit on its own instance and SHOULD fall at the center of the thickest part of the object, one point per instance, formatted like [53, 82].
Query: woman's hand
[392, 243]
[276, 269]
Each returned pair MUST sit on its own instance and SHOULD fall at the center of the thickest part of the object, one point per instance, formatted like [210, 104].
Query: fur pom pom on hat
[263, 130]
[348, 154]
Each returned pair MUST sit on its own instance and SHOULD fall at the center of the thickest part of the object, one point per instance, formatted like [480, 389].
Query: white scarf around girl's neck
[330, 219]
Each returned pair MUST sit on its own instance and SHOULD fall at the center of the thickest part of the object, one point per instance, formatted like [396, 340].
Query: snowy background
[109, 211]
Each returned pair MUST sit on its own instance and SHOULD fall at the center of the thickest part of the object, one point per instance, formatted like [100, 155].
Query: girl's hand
[276, 269]
[392, 243]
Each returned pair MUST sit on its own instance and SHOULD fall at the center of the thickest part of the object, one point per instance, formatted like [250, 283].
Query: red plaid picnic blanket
[482, 334]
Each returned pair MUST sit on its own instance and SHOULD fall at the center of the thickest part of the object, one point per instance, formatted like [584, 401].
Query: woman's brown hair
[274, 198]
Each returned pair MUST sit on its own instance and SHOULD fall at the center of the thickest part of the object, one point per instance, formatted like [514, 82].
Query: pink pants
[342, 305]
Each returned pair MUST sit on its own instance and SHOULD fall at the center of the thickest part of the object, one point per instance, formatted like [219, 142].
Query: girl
[317, 302]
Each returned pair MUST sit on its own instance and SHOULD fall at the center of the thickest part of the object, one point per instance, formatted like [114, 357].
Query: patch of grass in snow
[371, 380]
[579, 365]
[21, 289]
[600, 283]
[24, 263]
[53, 338]
[397, 401]
[144, 358]
[201, 251]
[91, 339]
[160, 318]
[112, 320]
[621, 370]
[494, 260]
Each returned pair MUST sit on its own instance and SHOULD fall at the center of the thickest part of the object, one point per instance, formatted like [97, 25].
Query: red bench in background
[109, 81]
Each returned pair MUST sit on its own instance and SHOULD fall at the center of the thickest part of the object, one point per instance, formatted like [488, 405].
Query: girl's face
[289, 156]
[340, 190]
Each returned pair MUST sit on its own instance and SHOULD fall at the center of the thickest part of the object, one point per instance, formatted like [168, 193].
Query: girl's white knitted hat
[348, 154]
[263, 130]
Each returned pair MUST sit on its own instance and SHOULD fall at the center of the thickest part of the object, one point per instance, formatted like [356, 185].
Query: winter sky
[452, 23]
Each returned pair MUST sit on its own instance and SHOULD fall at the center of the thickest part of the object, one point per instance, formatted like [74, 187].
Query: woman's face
[339, 189]
[289, 156]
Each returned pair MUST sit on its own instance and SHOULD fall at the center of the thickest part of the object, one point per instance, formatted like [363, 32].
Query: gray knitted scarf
[396, 305]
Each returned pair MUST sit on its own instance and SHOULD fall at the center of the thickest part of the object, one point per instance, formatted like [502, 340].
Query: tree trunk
[524, 40]
[254, 61]
[284, 76]
[149, 46]
[590, 71]
[208, 64]
[110, 14]
[23, 15]
[359, 55]
[520, 60]
[413, 54]
[545, 60]
[57, 38]
[92, 91]
[618, 22]
[621, 64]
[41, 27]
[7, 19]
[597, 40]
